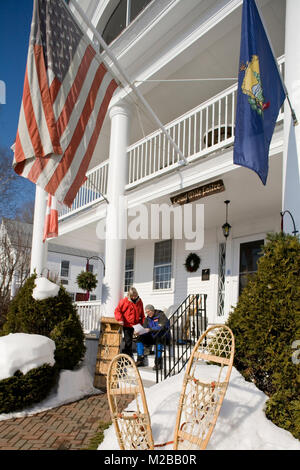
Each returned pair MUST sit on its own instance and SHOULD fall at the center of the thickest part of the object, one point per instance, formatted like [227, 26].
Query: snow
[241, 425]
[22, 351]
[44, 289]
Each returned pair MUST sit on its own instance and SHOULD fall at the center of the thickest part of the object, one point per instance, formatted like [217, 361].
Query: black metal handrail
[186, 325]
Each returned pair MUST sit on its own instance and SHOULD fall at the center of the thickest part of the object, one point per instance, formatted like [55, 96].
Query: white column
[39, 250]
[291, 156]
[115, 246]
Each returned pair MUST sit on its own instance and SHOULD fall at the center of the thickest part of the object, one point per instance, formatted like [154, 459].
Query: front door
[250, 253]
[246, 252]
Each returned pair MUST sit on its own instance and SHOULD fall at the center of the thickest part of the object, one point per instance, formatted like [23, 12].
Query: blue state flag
[260, 95]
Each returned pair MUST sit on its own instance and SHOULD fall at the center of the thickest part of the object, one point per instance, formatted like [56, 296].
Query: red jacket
[129, 312]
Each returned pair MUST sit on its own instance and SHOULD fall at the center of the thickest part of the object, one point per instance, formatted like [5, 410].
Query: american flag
[66, 94]
[51, 219]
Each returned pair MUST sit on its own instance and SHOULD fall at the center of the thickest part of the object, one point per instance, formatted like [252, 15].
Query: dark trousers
[148, 339]
[128, 334]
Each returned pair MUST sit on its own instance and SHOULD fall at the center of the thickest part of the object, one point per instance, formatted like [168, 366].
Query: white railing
[92, 191]
[205, 129]
[90, 315]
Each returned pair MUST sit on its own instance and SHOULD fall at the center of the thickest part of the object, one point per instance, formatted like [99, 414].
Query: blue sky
[15, 21]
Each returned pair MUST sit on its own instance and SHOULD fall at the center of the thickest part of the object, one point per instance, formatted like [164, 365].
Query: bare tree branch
[15, 252]
[8, 184]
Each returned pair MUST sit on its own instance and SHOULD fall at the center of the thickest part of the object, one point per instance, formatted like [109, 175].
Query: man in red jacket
[129, 312]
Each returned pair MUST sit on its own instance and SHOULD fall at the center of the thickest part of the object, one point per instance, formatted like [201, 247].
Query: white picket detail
[90, 316]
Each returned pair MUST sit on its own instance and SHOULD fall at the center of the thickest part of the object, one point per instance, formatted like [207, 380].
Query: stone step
[148, 375]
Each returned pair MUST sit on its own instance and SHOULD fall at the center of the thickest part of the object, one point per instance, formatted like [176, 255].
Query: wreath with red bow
[192, 263]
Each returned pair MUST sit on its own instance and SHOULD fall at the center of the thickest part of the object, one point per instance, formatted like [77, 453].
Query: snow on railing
[91, 191]
[90, 316]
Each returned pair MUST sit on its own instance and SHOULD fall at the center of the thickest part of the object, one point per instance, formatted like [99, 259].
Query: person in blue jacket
[157, 325]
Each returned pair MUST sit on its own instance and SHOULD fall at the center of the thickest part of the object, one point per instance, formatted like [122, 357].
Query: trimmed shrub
[54, 317]
[265, 323]
[27, 315]
[69, 341]
[23, 390]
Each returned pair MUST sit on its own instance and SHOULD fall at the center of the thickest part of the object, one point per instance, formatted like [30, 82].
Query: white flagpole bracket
[183, 160]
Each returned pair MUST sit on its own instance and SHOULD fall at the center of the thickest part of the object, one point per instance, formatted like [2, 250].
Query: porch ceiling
[82, 238]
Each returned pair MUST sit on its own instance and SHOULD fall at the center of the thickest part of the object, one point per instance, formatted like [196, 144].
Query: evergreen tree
[266, 323]
[54, 317]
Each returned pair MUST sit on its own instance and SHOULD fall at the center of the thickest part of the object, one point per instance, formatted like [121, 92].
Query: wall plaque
[205, 274]
[198, 193]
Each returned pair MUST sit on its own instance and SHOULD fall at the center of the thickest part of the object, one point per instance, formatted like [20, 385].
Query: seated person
[156, 323]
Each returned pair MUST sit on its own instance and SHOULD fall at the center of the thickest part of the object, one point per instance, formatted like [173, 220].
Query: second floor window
[124, 13]
[64, 268]
[162, 265]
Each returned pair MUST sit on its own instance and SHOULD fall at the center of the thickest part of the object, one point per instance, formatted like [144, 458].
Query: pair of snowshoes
[200, 400]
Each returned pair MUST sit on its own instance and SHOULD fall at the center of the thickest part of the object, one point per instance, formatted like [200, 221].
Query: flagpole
[294, 117]
[127, 80]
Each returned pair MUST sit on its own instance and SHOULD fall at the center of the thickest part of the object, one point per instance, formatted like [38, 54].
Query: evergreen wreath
[192, 262]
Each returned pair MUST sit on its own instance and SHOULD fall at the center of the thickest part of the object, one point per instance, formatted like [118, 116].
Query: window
[221, 279]
[64, 282]
[124, 13]
[93, 297]
[162, 265]
[129, 269]
[64, 268]
[250, 253]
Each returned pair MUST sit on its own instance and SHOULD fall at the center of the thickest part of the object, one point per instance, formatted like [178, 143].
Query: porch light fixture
[226, 227]
[282, 213]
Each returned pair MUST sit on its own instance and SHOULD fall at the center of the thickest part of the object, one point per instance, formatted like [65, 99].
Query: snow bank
[72, 386]
[22, 351]
[242, 424]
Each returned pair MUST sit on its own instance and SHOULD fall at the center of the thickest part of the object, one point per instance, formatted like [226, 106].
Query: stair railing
[185, 326]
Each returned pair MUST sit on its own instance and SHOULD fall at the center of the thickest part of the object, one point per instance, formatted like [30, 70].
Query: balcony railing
[205, 129]
[92, 191]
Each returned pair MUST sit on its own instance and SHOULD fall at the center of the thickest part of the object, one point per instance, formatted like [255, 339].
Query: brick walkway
[68, 427]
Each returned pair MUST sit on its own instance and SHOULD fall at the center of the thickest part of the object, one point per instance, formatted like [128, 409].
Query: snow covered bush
[27, 370]
[266, 323]
[54, 317]
[22, 390]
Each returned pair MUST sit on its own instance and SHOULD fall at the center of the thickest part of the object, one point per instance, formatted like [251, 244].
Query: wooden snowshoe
[133, 428]
[204, 388]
